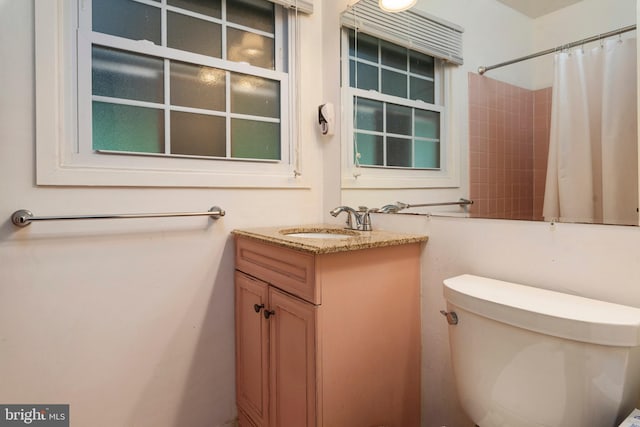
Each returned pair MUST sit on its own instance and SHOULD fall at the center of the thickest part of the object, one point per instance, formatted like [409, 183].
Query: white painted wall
[130, 321]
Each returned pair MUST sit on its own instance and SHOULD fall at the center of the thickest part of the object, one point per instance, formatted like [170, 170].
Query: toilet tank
[529, 357]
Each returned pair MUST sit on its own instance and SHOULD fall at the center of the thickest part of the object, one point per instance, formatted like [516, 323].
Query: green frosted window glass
[422, 64]
[197, 134]
[211, 8]
[126, 18]
[427, 124]
[255, 96]
[251, 139]
[369, 114]
[127, 128]
[243, 46]
[366, 47]
[194, 35]
[399, 152]
[393, 55]
[197, 86]
[258, 14]
[394, 83]
[371, 149]
[207, 111]
[422, 90]
[367, 76]
[399, 119]
[119, 74]
[427, 154]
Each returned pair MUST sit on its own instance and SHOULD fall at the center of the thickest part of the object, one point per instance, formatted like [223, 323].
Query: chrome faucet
[356, 219]
[353, 217]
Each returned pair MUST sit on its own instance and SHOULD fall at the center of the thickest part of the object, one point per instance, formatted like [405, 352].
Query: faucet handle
[366, 222]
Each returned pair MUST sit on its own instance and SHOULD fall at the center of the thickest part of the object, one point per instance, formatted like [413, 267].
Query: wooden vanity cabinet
[327, 340]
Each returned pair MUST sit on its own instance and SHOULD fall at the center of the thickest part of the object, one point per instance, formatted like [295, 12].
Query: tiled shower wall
[508, 144]
[541, 127]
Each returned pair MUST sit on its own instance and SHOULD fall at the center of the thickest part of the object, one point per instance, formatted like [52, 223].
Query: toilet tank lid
[544, 311]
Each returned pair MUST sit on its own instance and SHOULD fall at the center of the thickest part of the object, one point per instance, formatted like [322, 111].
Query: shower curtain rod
[484, 69]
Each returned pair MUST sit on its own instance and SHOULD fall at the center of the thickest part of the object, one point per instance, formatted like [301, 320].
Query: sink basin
[319, 233]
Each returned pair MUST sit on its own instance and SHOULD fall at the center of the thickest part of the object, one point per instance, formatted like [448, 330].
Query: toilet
[529, 357]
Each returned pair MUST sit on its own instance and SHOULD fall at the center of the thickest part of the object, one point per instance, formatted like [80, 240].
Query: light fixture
[396, 5]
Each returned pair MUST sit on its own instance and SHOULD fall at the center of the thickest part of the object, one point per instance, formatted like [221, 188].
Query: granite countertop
[353, 239]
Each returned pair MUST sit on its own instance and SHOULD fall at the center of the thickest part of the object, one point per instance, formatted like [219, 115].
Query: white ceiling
[537, 8]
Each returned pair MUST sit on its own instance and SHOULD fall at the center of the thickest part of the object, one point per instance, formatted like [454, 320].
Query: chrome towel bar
[23, 217]
[398, 206]
[461, 202]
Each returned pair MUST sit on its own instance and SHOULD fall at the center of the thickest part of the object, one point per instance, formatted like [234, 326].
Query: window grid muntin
[355, 59]
[381, 67]
[164, 8]
[386, 135]
[354, 92]
[168, 54]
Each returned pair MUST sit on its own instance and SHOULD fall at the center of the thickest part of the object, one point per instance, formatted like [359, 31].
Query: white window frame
[64, 155]
[370, 176]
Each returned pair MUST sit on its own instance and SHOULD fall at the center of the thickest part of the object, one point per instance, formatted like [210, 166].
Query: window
[396, 104]
[188, 92]
[396, 81]
[200, 78]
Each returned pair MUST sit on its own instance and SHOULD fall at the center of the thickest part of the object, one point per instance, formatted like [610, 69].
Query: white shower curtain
[592, 172]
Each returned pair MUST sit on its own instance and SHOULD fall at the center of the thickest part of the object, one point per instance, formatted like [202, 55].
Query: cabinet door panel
[292, 361]
[252, 351]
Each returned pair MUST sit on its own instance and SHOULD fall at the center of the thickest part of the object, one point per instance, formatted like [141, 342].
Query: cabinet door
[292, 361]
[252, 348]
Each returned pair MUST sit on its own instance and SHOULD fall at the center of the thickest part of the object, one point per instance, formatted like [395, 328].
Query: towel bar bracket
[22, 217]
